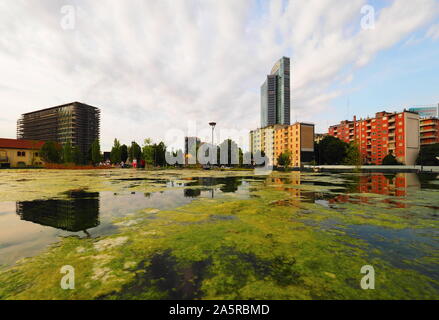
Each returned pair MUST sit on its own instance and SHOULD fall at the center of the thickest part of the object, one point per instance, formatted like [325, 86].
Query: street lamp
[213, 125]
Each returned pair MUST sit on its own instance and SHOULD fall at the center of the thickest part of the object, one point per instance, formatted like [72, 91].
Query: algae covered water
[188, 234]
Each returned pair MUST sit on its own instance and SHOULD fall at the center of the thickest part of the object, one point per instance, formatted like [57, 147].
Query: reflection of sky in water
[25, 237]
[43, 222]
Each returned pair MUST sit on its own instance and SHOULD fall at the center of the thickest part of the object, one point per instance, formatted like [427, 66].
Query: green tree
[51, 152]
[77, 156]
[160, 154]
[96, 155]
[390, 160]
[332, 151]
[124, 153]
[135, 152]
[115, 155]
[353, 155]
[67, 152]
[428, 156]
[148, 152]
[284, 159]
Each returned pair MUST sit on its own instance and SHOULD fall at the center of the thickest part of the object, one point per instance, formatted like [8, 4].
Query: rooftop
[21, 144]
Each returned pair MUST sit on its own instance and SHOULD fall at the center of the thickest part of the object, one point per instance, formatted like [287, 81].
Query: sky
[163, 69]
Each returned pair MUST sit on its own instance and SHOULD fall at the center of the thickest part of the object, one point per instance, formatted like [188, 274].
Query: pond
[188, 234]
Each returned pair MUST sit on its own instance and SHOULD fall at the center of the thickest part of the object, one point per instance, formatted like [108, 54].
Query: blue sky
[164, 69]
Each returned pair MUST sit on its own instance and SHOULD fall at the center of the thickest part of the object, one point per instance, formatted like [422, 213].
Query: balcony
[4, 159]
[429, 130]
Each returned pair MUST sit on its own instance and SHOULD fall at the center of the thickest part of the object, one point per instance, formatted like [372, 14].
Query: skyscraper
[275, 95]
[75, 122]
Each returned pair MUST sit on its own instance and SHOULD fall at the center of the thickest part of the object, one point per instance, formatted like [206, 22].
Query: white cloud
[433, 32]
[154, 65]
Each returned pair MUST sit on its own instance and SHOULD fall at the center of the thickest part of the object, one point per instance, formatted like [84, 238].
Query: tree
[124, 153]
[51, 152]
[390, 160]
[148, 152]
[284, 159]
[77, 156]
[428, 155]
[115, 155]
[134, 152]
[160, 154]
[353, 155]
[67, 152]
[332, 151]
[96, 156]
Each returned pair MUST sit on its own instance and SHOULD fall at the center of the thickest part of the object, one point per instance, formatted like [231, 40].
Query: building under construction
[75, 122]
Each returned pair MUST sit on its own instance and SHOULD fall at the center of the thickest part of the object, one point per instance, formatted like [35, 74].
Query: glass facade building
[276, 95]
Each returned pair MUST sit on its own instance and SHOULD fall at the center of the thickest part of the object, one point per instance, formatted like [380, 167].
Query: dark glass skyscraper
[275, 95]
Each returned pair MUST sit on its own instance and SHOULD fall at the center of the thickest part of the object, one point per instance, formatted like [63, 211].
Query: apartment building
[429, 131]
[396, 133]
[297, 139]
[263, 140]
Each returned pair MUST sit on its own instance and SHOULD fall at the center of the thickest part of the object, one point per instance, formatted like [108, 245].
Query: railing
[4, 159]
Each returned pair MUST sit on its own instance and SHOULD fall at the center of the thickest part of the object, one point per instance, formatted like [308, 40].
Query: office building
[396, 133]
[275, 95]
[430, 111]
[75, 122]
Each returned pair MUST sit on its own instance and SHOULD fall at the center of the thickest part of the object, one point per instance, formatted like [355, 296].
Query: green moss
[270, 246]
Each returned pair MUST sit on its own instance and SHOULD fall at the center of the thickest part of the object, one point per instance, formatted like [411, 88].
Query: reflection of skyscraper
[79, 213]
[275, 95]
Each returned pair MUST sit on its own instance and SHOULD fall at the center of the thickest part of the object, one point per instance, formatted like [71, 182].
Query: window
[21, 154]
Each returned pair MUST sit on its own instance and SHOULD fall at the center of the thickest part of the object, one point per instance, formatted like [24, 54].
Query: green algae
[269, 246]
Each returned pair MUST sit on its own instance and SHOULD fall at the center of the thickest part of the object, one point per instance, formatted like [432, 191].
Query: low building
[318, 137]
[429, 131]
[397, 133]
[297, 139]
[20, 153]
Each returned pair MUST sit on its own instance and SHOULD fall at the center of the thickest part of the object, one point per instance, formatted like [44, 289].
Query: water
[283, 232]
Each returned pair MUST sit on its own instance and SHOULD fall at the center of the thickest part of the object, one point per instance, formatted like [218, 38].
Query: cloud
[155, 65]
[433, 32]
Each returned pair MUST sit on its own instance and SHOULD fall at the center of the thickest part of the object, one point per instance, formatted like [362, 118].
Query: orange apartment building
[396, 133]
[297, 139]
[429, 131]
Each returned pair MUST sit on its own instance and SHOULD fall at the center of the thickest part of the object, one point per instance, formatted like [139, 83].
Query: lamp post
[213, 125]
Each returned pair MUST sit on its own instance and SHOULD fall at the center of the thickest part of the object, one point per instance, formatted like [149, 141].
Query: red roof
[21, 144]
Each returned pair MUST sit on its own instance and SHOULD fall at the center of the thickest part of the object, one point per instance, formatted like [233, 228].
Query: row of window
[23, 154]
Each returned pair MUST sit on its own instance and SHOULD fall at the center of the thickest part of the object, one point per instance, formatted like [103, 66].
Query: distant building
[319, 137]
[191, 146]
[297, 139]
[20, 153]
[429, 131]
[431, 111]
[396, 133]
[262, 140]
[275, 95]
[75, 122]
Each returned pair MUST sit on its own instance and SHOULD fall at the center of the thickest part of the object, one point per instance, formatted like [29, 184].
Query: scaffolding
[75, 122]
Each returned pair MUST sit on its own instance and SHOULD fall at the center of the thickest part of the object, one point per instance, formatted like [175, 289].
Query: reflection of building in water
[388, 185]
[74, 215]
